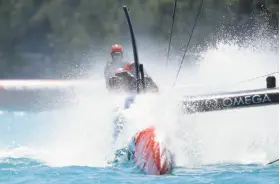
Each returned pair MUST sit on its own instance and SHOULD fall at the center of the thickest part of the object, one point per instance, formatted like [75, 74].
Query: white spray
[82, 135]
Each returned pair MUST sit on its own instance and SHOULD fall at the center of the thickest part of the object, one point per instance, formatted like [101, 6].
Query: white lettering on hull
[247, 100]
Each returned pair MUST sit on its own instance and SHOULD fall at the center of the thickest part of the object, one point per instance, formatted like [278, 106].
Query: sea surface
[74, 144]
[37, 148]
[25, 170]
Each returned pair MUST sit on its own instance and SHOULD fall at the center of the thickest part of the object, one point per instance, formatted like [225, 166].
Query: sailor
[120, 75]
[116, 62]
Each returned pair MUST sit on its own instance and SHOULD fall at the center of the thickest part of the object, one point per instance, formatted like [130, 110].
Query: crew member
[120, 75]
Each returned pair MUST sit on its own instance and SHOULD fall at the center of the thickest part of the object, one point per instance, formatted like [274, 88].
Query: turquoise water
[24, 170]
[74, 145]
[31, 152]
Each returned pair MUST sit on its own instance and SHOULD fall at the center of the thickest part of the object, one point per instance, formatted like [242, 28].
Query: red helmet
[116, 48]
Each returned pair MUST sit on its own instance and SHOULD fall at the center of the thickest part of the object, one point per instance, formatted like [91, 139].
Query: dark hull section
[224, 101]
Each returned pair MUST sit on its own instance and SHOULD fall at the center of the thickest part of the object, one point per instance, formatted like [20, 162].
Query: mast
[138, 69]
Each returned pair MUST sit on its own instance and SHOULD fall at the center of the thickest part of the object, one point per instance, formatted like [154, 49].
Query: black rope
[198, 13]
[171, 33]
[257, 77]
[238, 82]
[273, 162]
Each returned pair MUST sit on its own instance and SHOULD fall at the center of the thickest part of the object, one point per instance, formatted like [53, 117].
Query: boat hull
[151, 156]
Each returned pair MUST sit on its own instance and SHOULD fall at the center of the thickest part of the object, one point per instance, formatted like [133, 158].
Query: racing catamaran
[148, 153]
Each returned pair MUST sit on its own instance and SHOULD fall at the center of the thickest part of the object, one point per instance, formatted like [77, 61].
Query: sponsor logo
[246, 100]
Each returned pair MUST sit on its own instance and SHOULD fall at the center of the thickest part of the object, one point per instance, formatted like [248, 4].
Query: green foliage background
[66, 27]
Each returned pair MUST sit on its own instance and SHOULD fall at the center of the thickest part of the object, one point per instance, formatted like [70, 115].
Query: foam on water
[82, 134]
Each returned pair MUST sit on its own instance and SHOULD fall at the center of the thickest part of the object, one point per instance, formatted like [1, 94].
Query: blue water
[24, 170]
[23, 160]
[75, 145]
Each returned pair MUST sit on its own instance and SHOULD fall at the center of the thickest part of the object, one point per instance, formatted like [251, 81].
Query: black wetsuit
[120, 80]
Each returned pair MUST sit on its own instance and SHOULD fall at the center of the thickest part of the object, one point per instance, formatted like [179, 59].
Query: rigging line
[232, 83]
[171, 33]
[198, 13]
[257, 77]
[272, 162]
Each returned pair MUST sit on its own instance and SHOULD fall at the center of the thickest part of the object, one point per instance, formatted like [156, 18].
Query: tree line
[65, 28]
